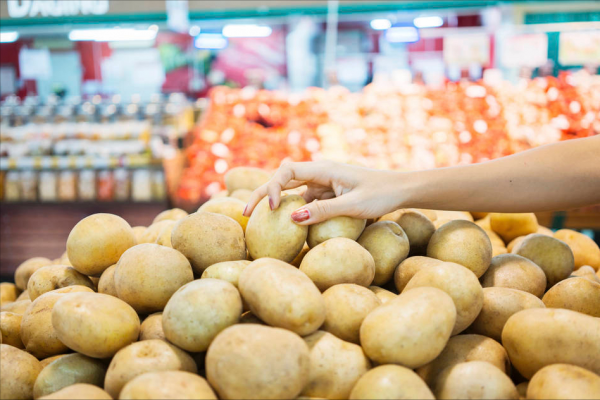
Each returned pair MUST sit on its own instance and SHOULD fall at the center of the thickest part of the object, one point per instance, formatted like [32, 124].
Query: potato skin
[409, 267]
[245, 178]
[173, 214]
[417, 227]
[577, 294]
[512, 225]
[249, 361]
[282, 296]
[228, 206]
[168, 385]
[152, 234]
[563, 381]
[410, 330]
[585, 250]
[229, 271]
[27, 268]
[17, 307]
[382, 294]
[10, 328]
[107, 281]
[46, 361]
[8, 292]
[553, 256]
[37, 333]
[586, 272]
[538, 337]
[114, 326]
[390, 382]
[515, 272]
[152, 328]
[242, 194]
[78, 391]
[19, 372]
[53, 277]
[347, 227]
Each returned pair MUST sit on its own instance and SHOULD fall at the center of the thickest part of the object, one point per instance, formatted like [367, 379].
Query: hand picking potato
[410, 330]
[585, 250]
[474, 380]
[114, 325]
[464, 243]
[241, 194]
[8, 292]
[46, 361]
[198, 311]
[347, 227]
[346, 307]
[107, 281]
[207, 238]
[228, 206]
[416, 225]
[409, 267]
[141, 357]
[382, 294]
[229, 271]
[264, 363]
[27, 268]
[510, 226]
[390, 382]
[499, 304]
[586, 272]
[538, 337]
[37, 332]
[564, 381]
[272, 233]
[17, 307]
[335, 366]
[168, 385]
[553, 256]
[138, 232]
[10, 328]
[459, 283]
[174, 214]
[97, 242]
[388, 244]
[69, 370]
[152, 328]
[245, 178]
[152, 234]
[515, 272]
[79, 391]
[283, 296]
[339, 260]
[53, 277]
[577, 294]
[19, 371]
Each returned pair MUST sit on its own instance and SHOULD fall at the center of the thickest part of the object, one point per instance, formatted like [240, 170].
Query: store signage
[56, 8]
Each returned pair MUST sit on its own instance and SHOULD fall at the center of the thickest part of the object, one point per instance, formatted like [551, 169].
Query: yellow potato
[439, 222]
[545, 231]
[229, 271]
[431, 214]
[23, 296]
[114, 325]
[17, 307]
[198, 311]
[538, 337]
[27, 268]
[164, 236]
[585, 250]
[207, 238]
[478, 215]
[37, 332]
[515, 272]
[336, 261]
[346, 307]
[66, 371]
[298, 260]
[410, 330]
[152, 234]
[10, 328]
[564, 381]
[282, 296]
[107, 281]
[464, 243]
[168, 385]
[382, 294]
[416, 225]
[174, 214]
[53, 277]
[95, 280]
[390, 382]
[409, 267]
[138, 232]
[497, 250]
[272, 233]
[474, 380]
[335, 366]
[388, 244]
[72, 289]
[97, 242]
[152, 328]
[586, 272]
[228, 206]
[577, 294]
[264, 363]
[484, 223]
[46, 361]
[242, 194]
[553, 256]
[347, 227]
[220, 194]
[8, 292]
[459, 283]
[514, 243]
[245, 178]
[494, 238]
[510, 226]
[454, 215]
[79, 391]
[19, 372]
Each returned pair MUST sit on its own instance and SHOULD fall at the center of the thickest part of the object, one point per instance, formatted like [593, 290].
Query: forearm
[554, 177]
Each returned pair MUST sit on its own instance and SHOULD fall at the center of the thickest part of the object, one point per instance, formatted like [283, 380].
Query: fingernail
[301, 215]
[245, 209]
[271, 204]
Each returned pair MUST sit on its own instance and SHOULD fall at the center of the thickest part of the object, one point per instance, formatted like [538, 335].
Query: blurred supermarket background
[130, 107]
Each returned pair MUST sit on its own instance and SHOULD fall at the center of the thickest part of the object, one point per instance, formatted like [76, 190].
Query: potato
[409, 267]
[410, 330]
[19, 371]
[346, 307]
[514, 243]
[37, 332]
[23, 296]
[17, 307]
[164, 236]
[494, 238]
[8, 292]
[388, 244]
[382, 294]
[474, 380]
[586, 272]
[390, 382]
[577, 294]
[207, 238]
[272, 233]
[152, 328]
[283, 296]
[515, 272]
[95, 280]
[229, 271]
[585, 250]
[69, 370]
[335, 366]
[464, 243]
[198, 311]
[53, 277]
[242, 194]
[510, 226]
[148, 274]
[228, 206]
[152, 234]
[439, 222]
[478, 215]
[168, 385]
[97, 242]
[138, 232]
[107, 281]
[46, 361]
[27, 268]
[245, 178]
[249, 318]
[484, 223]
[298, 260]
[10, 328]
[219, 194]
[497, 250]
[522, 389]
[538, 337]
[250, 361]
[553, 256]
[114, 325]
[339, 260]
[499, 304]
[347, 227]
[416, 225]
[72, 289]
[460, 284]
[564, 381]
[454, 215]
[174, 214]
[79, 391]
[147, 356]
[431, 214]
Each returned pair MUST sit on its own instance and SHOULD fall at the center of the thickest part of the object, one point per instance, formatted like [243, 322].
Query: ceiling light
[428, 22]
[402, 34]
[8, 37]
[381, 24]
[210, 41]
[233, 31]
[111, 35]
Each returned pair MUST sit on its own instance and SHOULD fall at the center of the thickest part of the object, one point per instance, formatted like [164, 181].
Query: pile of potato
[420, 304]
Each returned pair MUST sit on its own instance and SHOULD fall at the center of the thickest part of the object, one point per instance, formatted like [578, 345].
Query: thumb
[320, 210]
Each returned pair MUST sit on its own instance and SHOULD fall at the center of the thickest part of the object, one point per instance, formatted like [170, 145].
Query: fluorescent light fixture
[210, 41]
[194, 30]
[112, 35]
[381, 24]
[233, 31]
[8, 37]
[428, 22]
[402, 34]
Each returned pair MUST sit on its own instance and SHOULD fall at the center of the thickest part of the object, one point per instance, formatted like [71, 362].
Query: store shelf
[76, 162]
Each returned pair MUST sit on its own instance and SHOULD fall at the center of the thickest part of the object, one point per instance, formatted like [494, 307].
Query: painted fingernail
[271, 204]
[300, 215]
[245, 209]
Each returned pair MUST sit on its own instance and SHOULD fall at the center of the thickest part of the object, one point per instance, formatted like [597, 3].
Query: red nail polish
[300, 215]
[271, 204]
[245, 209]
